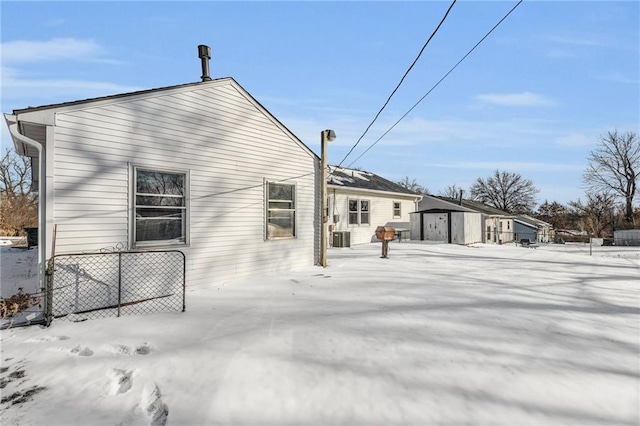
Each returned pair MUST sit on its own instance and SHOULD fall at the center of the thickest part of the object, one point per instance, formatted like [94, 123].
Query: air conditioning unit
[341, 239]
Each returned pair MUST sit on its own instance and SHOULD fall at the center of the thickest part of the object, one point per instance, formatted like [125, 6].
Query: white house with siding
[200, 167]
[360, 201]
[536, 230]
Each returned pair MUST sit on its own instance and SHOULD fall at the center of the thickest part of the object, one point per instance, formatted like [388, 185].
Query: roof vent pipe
[460, 201]
[204, 53]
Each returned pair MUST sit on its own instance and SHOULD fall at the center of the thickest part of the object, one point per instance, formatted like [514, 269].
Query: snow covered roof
[360, 179]
[534, 221]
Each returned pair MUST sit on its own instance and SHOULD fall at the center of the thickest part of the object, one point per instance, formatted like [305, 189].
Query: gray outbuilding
[443, 221]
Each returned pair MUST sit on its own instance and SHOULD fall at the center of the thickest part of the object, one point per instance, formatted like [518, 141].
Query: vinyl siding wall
[501, 230]
[380, 214]
[228, 147]
[523, 231]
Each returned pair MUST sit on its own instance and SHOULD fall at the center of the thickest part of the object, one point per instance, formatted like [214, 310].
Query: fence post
[184, 280]
[76, 300]
[119, 281]
[48, 314]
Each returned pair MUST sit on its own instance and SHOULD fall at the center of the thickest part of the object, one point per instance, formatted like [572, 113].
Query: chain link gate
[98, 285]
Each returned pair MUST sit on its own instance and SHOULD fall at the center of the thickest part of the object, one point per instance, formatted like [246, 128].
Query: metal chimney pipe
[204, 53]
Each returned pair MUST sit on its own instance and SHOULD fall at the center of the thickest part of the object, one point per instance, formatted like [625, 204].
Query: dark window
[281, 210]
[160, 207]
[358, 212]
[396, 209]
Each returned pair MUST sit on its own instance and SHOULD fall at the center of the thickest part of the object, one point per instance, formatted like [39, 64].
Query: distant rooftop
[360, 179]
[478, 206]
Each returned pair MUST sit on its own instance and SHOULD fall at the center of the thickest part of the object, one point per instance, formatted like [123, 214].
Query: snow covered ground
[18, 269]
[435, 334]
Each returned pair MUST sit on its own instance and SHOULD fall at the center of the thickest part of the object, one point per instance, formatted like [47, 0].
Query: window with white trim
[281, 210]
[396, 209]
[358, 212]
[161, 207]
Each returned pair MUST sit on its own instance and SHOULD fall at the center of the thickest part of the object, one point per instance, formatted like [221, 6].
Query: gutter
[375, 191]
[12, 123]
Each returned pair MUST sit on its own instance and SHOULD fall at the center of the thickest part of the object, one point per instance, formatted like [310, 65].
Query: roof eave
[375, 191]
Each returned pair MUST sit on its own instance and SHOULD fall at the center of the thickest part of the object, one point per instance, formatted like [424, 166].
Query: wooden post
[385, 248]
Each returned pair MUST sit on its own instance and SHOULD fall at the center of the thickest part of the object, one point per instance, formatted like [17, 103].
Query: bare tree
[412, 185]
[453, 191]
[555, 213]
[506, 191]
[614, 166]
[18, 204]
[597, 214]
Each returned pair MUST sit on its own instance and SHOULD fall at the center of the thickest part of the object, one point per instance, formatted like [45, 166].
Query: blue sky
[533, 98]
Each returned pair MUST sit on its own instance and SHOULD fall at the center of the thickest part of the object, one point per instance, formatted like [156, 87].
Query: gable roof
[102, 98]
[479, 207]
[433, 204]
[41, 115]
[340, 177]
[532, 221]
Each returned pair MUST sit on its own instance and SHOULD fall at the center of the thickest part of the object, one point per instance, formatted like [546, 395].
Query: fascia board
[373, 191]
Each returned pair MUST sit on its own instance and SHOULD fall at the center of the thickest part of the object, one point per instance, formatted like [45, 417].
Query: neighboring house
[498, 225]
[535, 230]
[200, 167]
[360, 201]
[445, 221]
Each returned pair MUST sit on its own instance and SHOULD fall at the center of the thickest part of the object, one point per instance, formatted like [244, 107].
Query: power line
[400, 83]
[437, 84]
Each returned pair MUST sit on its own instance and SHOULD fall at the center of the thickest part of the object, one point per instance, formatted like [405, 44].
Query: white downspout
[416, 202]
[12, 122]
[416, 208]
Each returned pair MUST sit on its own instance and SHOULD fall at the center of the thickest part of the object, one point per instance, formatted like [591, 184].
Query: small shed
[440, 220]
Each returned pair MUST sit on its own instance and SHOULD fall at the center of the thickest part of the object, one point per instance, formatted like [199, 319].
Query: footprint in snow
[81, 350]
[152, 406]
[76, 350]
[120, 381]
[46, 339]
[143, 349]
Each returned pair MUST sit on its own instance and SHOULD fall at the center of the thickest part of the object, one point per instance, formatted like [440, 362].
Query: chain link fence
[99, 285]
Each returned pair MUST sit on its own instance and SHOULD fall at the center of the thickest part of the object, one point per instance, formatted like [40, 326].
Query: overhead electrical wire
[400, 83]
[435, 85]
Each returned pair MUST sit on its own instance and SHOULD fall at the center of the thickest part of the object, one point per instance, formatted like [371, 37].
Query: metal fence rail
[98, 285]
